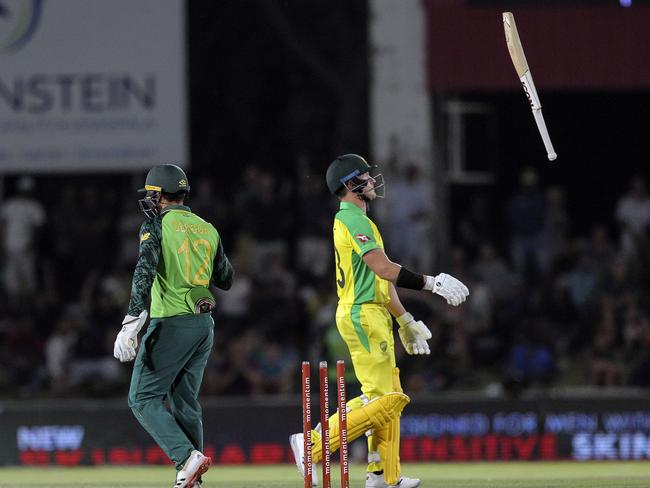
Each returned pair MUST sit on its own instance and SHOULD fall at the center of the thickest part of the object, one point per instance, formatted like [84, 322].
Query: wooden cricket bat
[523, 71]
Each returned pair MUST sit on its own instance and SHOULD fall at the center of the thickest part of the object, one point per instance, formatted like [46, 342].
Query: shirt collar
[175, 207]
[350, 206]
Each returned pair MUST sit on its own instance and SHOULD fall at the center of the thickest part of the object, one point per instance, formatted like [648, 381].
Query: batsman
[366, 281]
[180, 256]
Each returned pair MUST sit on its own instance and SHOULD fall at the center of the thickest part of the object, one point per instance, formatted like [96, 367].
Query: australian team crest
[363, 238]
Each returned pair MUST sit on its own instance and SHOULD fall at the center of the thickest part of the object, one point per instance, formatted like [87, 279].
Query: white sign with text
[90, 85]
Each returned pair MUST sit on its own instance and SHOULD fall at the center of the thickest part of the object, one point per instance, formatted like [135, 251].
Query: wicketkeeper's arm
[223, 273]
[145, 269]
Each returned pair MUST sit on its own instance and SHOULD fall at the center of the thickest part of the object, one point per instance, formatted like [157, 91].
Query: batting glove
[127, 339]
[448, 287]
[414, 335]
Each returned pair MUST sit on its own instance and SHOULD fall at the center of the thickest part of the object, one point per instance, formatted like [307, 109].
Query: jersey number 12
[205, 264]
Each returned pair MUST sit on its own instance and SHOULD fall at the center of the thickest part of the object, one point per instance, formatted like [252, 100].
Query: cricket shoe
[377, 481]
[297, 443]
[194, 467]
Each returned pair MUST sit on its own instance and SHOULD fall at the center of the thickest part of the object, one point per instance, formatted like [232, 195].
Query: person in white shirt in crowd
[633, 214]
[409, 221]
[22, 216]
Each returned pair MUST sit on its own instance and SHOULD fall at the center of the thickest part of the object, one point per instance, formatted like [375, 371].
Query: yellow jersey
[355, 235]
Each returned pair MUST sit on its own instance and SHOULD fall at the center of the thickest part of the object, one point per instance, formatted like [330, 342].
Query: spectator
[409, 221]
[600, 249]
[21, 353]
[95, 221]
[531, 359]
[59, 350]
[493, 271]
[276, 308]
[581, 282]
[314, 249]
[618, 295]
[232, 371]
[637, 344]
[21, 219]
[605, 361]
[588, 281]
[633, 214]
[476, 225]
[526, 221]
[555, 229]
[62, 223]
[277, 365]
[210, 203]
[235, 304]
[265, 219]
[92, 365]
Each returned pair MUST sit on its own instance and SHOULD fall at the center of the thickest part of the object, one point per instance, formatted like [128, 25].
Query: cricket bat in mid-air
[521, 66]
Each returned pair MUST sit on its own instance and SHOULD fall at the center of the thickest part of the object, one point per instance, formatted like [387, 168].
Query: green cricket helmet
[164, 178]
[348, 168]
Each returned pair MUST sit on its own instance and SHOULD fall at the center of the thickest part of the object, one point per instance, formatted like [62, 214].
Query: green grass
[453, 475]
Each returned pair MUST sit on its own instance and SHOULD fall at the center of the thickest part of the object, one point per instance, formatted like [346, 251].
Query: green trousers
[166, 379]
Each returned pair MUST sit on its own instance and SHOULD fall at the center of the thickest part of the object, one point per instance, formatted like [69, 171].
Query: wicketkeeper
[366, 279]
[180, 255]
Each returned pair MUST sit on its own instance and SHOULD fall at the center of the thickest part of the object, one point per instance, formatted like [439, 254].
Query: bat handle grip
[541, 125]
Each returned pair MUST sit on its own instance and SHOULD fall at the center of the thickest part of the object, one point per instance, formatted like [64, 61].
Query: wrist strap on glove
[134, 322]
[404, 319]
[430, 283]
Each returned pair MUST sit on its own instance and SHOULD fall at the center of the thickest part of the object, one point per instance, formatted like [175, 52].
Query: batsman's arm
[451, 289]
[382, 266]
[145, 269]
[413, 334]
[388, 270]
[395, 306]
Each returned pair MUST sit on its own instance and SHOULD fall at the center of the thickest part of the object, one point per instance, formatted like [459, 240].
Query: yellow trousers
[368, 332]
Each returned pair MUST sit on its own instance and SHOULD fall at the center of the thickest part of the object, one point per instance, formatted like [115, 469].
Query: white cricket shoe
[377, 481]
[297, 443]
[194, 467]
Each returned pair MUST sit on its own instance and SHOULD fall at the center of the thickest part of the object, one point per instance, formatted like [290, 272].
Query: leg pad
[376, 414]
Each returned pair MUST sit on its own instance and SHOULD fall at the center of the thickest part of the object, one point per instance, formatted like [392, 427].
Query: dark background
[268, 104]
[282, 86]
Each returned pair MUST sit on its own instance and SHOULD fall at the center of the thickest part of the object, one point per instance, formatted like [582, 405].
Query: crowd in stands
[547, 306]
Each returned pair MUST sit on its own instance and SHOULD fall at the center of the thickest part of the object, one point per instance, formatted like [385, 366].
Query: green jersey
[354, 236]
[178, 252]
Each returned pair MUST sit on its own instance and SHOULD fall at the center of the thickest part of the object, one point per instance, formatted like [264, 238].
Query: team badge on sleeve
[144, 236]
[363, 238]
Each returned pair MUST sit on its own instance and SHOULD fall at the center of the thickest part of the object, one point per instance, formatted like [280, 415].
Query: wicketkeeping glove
[414, 335]
[127, 339]
[448, 287]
